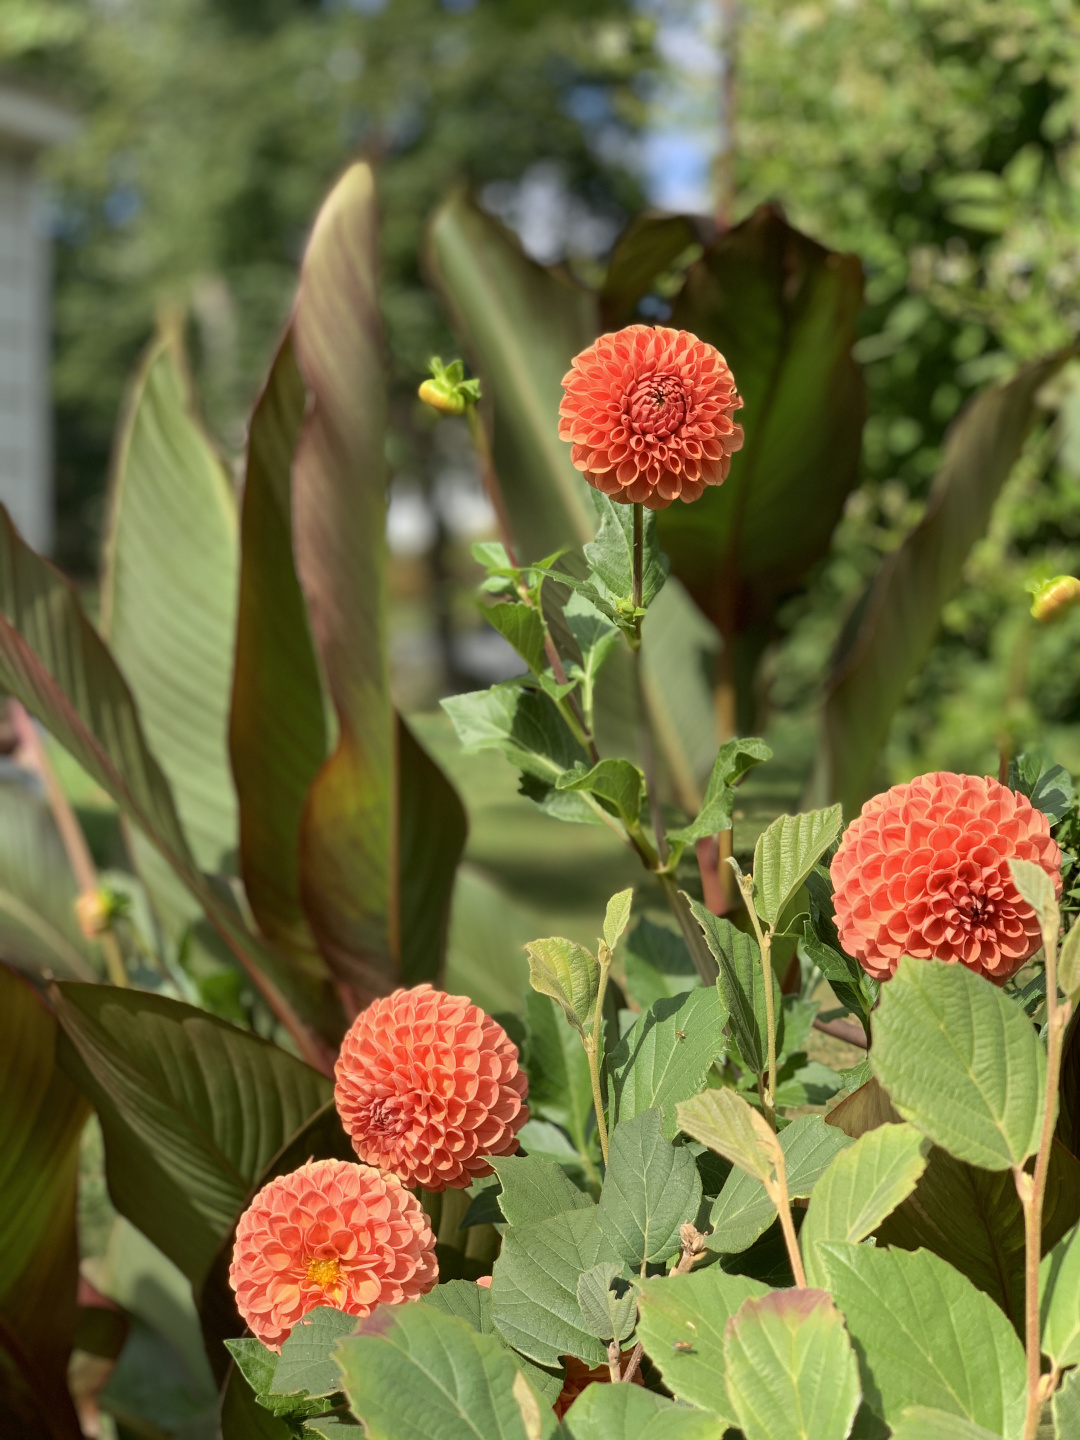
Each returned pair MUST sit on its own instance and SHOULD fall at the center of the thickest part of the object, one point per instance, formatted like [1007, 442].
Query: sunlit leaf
[650, 1190]
[786, 853]
[666, 1055]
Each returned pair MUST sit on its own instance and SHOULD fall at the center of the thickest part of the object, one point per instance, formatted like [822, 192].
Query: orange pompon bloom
[428, 1086]
[649, 415]
[331, 1233]
[924, 871]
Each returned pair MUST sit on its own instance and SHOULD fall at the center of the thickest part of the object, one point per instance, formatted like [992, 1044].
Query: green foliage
[569, 974]
[786, 853]
[665, 1056]
[533, 1189]
[741, 984]
[608, 1312]
[624, 1412]
[1059, 1285]
[651, 1188]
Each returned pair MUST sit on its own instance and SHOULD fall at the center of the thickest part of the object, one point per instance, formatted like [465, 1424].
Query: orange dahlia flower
[428, 1086]
[331, 1233]
[924, 871]
[648, 413]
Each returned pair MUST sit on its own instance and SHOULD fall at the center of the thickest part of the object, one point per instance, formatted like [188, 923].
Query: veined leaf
[961, 1061]
[617, 917]
[786, 853]
[741, 983]
[627, 1412]
[682, 1324]
[569, 974]
[560, 1088]
[1037, 888]
[535, 1189]
[919, 1423]
[306, 1363]
[617, 784]
[650, 1190]
[523, 627]
[611, 554]
[1049, 787]
[666, 1055]
[1066, 1406]
[412, 1373]
[849, 981]
[733, 761]
[1059, 1301]
[38, 928]
[791, 1371]
[472, 1303]
[937, 1341]
[862, 1185]
[606, 1313]
[523, 724]
[728, 1124]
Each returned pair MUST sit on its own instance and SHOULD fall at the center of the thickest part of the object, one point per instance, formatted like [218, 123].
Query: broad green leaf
[919, 1423]
[1037, 888]
[786, 853]
[611, 554]
[666, 1055]
[790, 1370]
[523, 724]
[961, 1061]
[731, 764]
[193, 1111]
[628, 1412]
[38, 929]
[617, 917]
[728, 1124]
[41, 1119]
[523, 626]
[169, 596]
[1069, 964]
[783, 311]
[1066, 1406]
[242, 1417]
[534, 1189]
[849, 981]
[412, 1373]
[1049, 787]
[306, 1364]
[534, 1286]
[742, 1212]
[618, 785]
[472, 1303]
[605, 1312]
[569, 974]
[657, 964]
[681, 1325]
[522, 325]
[650, 1190]
[862, 1185]
[935, 1341]
[1059, 1302]
[560, 1089]
[648, 246]
[898, 619]
[741, 983]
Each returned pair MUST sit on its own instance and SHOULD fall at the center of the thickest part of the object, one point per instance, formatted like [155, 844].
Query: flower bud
[1054, 597]
[98, 910]
[448, 391]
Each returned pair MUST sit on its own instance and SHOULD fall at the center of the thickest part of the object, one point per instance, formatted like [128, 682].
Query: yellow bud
[94, 914]
[447, 402]
[1054, 597]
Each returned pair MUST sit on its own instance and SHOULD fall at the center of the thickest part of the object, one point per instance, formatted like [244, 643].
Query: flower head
[428, 1086]
[924, 871]
[1055, 598]
[649, 415]
[331, 1233]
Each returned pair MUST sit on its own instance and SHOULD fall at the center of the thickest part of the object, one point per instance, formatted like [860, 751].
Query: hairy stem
[595, 1053]
[764, 938]
[633, 1363]
[782, 1202]
[639, 549]
[691, 931]
[614, 1355]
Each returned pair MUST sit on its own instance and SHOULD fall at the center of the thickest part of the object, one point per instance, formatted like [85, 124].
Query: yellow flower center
[324, 1272]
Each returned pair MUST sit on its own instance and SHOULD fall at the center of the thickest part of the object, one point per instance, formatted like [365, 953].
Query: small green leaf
[569, 974]
[608, 1313]
[925, 1336]
[627, 1412]
[255, 1362]
[1037, 888]
[465, 1299]
[412, 1373]
[618, 785]
[791, 1371]
[1048, 787]
[1066, 1406]
[1069, 964]
[919, 1423]
[534, 1286]
[523, 626]
[1059, 1302]
[650, 1190]
[731, 764]
[741, 983]
[534, 1189]
[611, 554]
[849, 981]
[961, 1061]
[863, 1184]
[786, 853]
[523, 724]
[728, 1124]
[681, 1325]
[743, 1211]
[617, 917]
[667, 1054]
[305, 1364]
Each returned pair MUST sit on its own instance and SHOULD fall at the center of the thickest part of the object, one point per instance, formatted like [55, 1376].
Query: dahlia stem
[639, 549]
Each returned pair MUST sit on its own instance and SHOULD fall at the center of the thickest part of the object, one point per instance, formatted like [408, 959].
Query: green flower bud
[448, 391]
[1054, 597]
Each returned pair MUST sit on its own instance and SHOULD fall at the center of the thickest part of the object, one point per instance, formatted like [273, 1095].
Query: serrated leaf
[628, 1412]
[961, 1061]
[743, 1211]
[681, 1324]
[617, 917]
[937, 1341]
[606, 1312]
[728, 1124]
[1059, 1301]
[465, 1299]
[255, 1362]
[919, 1423]
[523, 627]
[617, 784]
[523, 724]
[666, 1055]
[569, 974]
[862, 1185]
[791, 1372]
[741, 983]
[650, 1190]
[733, 761]
[306, 1364]
[786, 853]
[611, 554]
[1069, 964]
[1037, 888]
[849, 981]
[412, 1373]
[1049, 787]
[534, 1286]
[1066, 1406]
[534, 1189]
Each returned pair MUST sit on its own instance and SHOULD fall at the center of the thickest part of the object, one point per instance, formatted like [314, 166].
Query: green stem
[691, 931]
[764, 938]
[594, 1050]
[639, 548]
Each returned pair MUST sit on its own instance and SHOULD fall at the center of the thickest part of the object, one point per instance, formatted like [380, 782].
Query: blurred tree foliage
[940, 139]
[214, 127]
